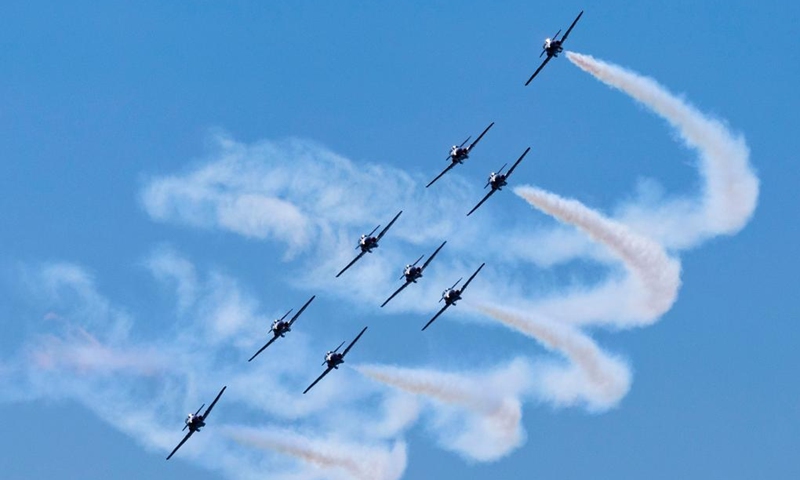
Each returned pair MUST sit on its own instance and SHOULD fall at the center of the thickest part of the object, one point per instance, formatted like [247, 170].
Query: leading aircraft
[333, 359]
[552, 47]
[368, 242]
[459, 153]
[196, 420]
[280, 327]
[498, 180]
[412, 272]
[451, 296]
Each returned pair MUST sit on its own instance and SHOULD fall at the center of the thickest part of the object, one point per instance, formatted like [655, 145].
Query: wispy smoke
[658, 275]
[599, 381]
[731, 187]
[328, 455]
[493, 399]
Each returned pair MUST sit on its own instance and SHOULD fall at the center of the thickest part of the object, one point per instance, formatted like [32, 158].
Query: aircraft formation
[412, 272]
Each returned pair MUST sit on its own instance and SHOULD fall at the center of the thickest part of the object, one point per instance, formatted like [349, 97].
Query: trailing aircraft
[333, 359]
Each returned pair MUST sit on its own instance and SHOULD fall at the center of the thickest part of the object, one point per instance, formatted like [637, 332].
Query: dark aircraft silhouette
[333, 359]
[452, 295]
[368, 242]
[280, 327]
[498, 180]
[552, 47]
[459, 153]
[195, 421]
[412, 272]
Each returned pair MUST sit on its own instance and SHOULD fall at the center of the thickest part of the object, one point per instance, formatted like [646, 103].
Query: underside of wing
[435, 317]
[486, 197]
[471, 277]
[440, 175]
[263, 348]
[538, 70]
[181, 444]
[351, 263]
[431, 257]
[395, 293]
[510, 170]
[383, 232]
[566, 34]
[327, 370]
[353, 342]
[208, 410]
[296, 315]
[472, 145]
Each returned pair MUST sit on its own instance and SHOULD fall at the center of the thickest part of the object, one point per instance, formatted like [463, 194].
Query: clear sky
[175, 175]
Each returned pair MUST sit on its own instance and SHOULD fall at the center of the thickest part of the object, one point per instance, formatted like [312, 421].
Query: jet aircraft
[412, 272]
[368, 242]
[451, 296]
[196, 420]
[459, 153]
[552, 47]
[498, 180]
[333, 359]
[280, 327]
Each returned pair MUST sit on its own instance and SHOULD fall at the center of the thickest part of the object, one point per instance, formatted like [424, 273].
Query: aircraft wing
[436, 316]
[180, 444]
[395, 293]
[264, 347]
[208, 410]
[301, 310]
[566, 34]
[351, 263]
[470, 278]
[510, 170]
[472, 145]
[538, 69]
[486, 197]
[383, 232]
[327, 371]
[440, 175]
[431, 257]
[353, 342]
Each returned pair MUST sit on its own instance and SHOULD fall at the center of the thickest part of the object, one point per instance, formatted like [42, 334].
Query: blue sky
[177, 176]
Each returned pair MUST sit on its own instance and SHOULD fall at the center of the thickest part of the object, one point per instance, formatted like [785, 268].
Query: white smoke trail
[731, 187]
[333, 456]
[657, 275]
[599, 380]
[494, 429]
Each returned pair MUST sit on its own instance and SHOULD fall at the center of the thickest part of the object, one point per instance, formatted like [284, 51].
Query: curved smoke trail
[657, 275]
[600, 380]
[494, 429]
[355, 461]
[731, 186]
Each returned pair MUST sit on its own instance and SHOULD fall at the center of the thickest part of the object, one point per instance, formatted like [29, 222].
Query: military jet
[280, 327]
[368, 242]
[333, 359]
[412, 272]
[196, 420]
[552, 47]
[498, 180]
[451, 296]
[459, 153]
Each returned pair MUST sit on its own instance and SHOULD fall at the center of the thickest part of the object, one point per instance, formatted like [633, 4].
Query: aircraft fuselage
[497, 181]
[368, 243]
[334, 359]
[195, 422]
[451, 296]
[280, 328]
[412, 274]
[552, 47]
